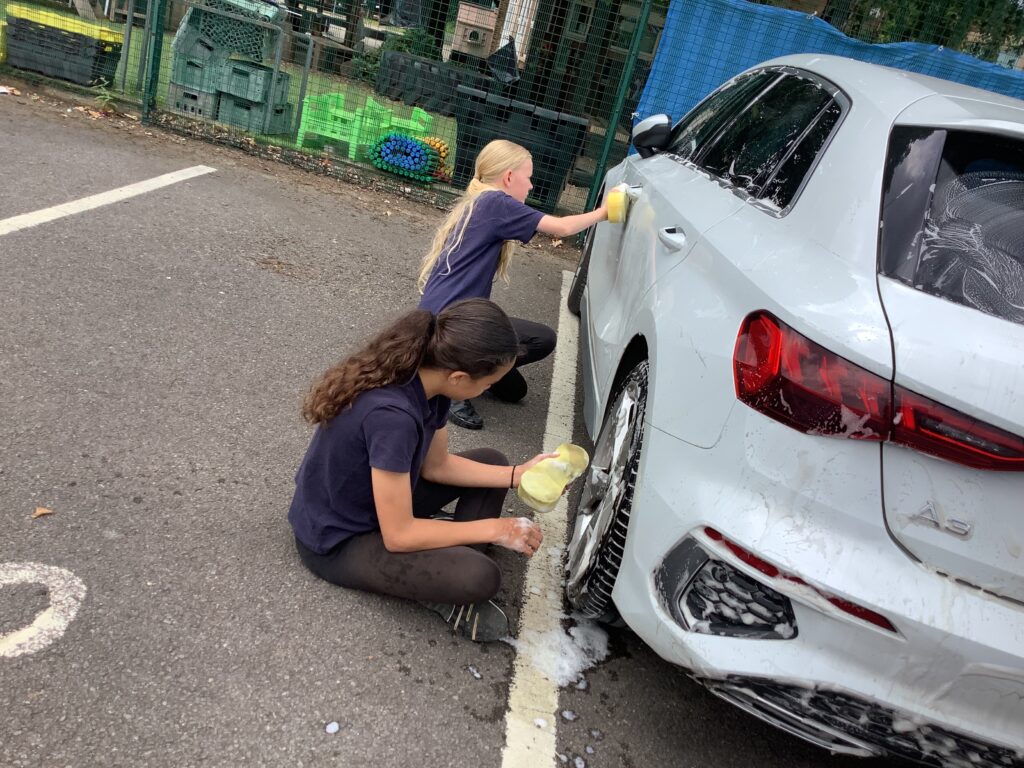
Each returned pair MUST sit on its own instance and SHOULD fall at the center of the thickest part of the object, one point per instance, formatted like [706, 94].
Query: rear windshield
[953, 217]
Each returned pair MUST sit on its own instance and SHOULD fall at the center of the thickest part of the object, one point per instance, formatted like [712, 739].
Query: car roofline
[892, 89]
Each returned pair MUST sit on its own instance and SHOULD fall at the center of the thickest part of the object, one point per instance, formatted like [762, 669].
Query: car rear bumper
[951, 677]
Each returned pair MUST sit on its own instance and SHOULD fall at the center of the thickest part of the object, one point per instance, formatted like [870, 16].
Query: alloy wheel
[602, 513]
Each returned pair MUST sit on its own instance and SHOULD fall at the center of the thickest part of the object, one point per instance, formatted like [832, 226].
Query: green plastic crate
[199, 73]
[192, 102]
[252, 82]
[326, 121]
[250, 115]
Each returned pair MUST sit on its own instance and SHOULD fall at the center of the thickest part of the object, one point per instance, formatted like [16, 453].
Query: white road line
[26, 220]
[66, 593]
[532, 696]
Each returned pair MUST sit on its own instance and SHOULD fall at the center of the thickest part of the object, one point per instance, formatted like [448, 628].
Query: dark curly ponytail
[474, 336]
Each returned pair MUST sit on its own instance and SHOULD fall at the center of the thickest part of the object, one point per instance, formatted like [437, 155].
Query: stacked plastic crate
[196, 69]
[59, 45]
[216, 71]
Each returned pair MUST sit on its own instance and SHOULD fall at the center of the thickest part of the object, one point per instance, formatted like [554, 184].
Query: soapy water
[971, 252]
[562, 656]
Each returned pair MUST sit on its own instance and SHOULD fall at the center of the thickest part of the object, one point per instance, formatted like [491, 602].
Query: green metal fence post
[268, 113]
[153, 48]
[146, 32]
[620, 99]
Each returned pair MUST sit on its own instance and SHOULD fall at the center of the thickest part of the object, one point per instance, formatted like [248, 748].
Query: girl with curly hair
[369, 492]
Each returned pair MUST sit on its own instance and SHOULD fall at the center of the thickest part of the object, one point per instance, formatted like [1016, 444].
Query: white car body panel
[958, 657]
[628, 273]
[974, 363]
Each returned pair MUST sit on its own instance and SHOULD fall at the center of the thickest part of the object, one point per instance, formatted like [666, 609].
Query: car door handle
[673, 238]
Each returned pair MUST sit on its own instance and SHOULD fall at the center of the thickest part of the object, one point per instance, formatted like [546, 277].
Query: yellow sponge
[618, 204]
[541, 486]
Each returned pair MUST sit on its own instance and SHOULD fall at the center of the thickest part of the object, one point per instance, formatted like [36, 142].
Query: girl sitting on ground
[369, 492]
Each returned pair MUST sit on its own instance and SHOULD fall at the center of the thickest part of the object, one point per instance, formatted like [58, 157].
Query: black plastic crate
[554, 139]
[420, 82]
[59, 53]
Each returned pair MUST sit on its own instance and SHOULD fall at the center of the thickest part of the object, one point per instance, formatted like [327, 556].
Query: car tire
[579, 279]
[598, 531]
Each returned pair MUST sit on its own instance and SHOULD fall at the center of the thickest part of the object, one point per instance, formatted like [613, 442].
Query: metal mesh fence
[413, 87]
[416, 87]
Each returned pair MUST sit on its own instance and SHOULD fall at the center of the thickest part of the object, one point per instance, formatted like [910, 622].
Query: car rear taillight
[796, 381]
[933, 428]
[790, 378]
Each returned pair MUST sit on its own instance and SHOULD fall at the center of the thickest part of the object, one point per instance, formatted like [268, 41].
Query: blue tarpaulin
[706, 42]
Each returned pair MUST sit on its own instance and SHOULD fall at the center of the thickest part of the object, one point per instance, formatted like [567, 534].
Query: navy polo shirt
[389, 428]
[468, 271]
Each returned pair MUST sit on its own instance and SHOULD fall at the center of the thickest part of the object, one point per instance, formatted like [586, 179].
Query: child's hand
[520, 534]
[518, 474]
[603, 210]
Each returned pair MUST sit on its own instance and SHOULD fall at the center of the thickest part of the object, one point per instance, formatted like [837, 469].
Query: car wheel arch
[636, 352]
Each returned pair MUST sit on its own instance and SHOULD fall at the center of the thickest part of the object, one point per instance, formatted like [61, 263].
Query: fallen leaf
[40, 511]
[555, 243]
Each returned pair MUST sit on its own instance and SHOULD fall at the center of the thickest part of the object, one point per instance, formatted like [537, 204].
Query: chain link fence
[414, 88]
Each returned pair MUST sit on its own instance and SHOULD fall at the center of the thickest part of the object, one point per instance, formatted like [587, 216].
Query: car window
[783, 186]
[748, 151]
[707, 118]
[966, 242]
[910, 169]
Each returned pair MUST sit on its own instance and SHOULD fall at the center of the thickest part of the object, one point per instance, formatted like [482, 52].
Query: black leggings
[449, 575]
[536, 342]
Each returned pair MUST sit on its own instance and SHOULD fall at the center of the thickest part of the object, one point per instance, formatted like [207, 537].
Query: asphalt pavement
[153, 357]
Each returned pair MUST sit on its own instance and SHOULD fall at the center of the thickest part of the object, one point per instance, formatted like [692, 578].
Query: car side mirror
[651, 134]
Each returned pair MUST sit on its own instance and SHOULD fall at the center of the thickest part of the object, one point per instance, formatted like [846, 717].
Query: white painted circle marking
[67, 592]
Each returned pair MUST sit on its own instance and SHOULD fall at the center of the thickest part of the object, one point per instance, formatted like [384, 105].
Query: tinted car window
[968, 240]
[910, 169]
[781, 189]
[707, 118]
[749, 150]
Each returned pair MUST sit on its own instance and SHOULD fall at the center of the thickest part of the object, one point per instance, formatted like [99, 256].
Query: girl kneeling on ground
[377, 472]
[474, 246]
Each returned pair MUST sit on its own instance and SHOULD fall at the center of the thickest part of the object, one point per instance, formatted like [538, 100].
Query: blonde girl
[475, 245]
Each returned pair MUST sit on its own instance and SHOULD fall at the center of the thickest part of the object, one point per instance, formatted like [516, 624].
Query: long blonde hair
[495, 159]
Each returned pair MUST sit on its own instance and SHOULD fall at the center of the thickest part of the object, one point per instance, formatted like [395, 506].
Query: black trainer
[480, 622]
[463, 414]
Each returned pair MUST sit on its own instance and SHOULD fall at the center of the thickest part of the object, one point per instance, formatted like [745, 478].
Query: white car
[803, 359]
